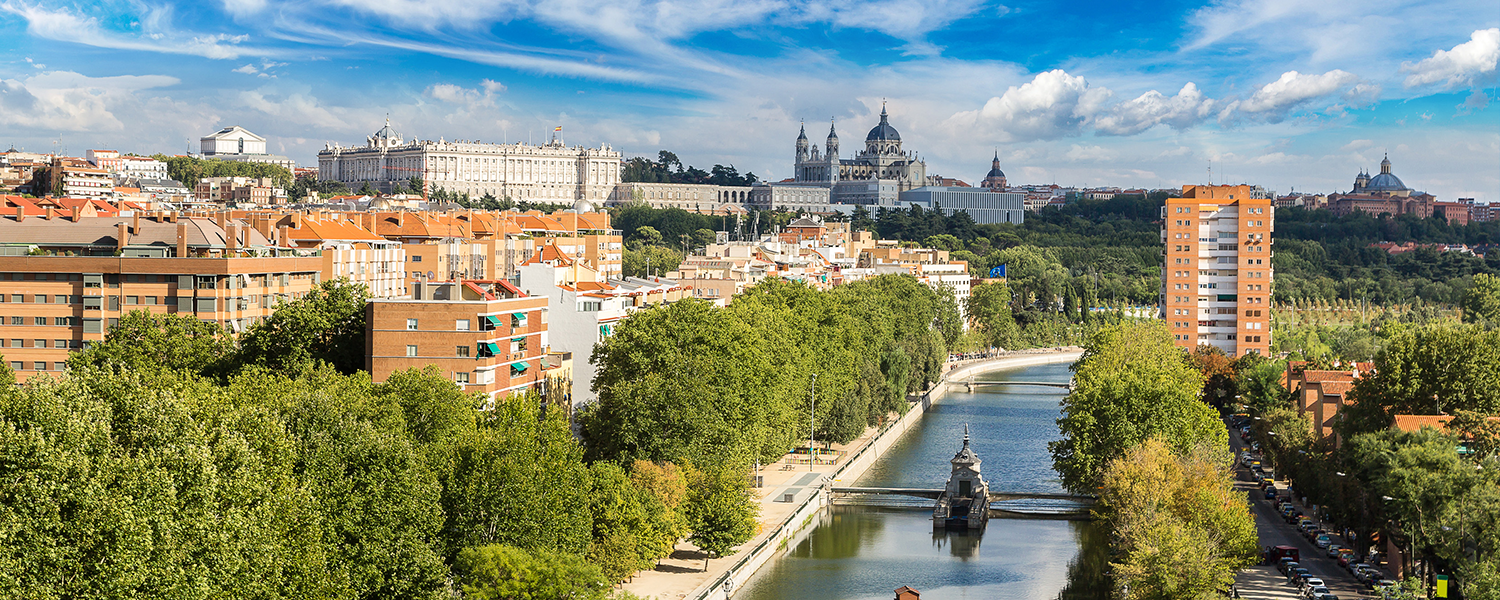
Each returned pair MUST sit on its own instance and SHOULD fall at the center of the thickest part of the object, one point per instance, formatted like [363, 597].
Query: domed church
[1384, 183]
[876, 176]
[1387, 194]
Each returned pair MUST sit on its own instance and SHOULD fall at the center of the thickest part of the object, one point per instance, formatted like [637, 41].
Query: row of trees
[1135, 431]
[173, 460]
[1441, 506]
[189, 169]
[667, 168]
[732, 386]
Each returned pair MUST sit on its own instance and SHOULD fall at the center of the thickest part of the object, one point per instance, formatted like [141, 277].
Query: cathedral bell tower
[802, 144]
[832, 145]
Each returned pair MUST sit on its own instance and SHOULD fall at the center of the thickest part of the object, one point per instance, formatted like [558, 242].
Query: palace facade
[551, 172]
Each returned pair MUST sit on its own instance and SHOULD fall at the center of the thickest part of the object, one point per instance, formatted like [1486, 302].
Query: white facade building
[687, 196]
[235, 143]
[551, 172]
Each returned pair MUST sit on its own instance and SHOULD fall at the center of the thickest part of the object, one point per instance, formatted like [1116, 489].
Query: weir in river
[867, 545]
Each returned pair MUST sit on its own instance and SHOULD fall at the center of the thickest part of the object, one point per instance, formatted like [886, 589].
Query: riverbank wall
[802, 521]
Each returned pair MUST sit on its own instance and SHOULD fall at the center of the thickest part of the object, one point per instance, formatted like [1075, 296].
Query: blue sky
[1282, 93]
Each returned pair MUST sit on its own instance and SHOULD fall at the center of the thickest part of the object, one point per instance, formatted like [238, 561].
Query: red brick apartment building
[487, 335]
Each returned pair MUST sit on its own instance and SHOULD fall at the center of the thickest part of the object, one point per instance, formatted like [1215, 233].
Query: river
[866, 552]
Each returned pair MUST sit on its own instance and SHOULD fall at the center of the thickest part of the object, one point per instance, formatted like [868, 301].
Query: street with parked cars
[1312, 559]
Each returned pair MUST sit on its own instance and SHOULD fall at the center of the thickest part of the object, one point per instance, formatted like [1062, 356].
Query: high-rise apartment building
[1216, 271]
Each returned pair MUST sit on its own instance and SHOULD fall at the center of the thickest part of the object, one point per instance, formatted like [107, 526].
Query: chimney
[284, 240]
[400, 219]
[296, 220]
[264, 226]
[51, 212]
[232, 237]
[219, 218]
[122, 236]
[135, 226]
[76, 215]
[182, 247]
[370, 220]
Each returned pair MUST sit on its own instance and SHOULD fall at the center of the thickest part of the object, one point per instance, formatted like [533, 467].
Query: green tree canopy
[327, 324]
[1133, 384]
[1482, 302]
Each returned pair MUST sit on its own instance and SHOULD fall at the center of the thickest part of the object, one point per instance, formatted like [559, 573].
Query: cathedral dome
[883, 132]
[583, 206]
[1385, 182]
[995, 172]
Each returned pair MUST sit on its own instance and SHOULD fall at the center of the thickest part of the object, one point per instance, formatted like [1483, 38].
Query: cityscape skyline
[1278, 94]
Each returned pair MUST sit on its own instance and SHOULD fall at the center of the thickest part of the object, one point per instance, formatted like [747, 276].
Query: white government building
[235, 143]
[552, 172]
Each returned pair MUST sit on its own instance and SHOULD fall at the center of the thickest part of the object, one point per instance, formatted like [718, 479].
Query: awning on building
[518, 365]
[490, 347]
[493, 320]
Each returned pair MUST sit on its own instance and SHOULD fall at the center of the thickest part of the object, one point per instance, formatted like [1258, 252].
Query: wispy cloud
[64, 25]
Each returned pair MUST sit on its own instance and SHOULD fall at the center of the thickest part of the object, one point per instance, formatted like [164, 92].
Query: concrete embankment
[800, 523]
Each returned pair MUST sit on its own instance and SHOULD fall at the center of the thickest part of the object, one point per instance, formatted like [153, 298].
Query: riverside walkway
[682, 575]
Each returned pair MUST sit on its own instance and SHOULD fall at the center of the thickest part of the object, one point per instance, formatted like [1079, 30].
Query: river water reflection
[862, 552]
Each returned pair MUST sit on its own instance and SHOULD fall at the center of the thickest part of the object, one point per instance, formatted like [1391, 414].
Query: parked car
[1316, 591]
[1323, 540]
[1333, 550]
[1295, 575]
[1346, 557]
[1287, 563]
[1270, 492]
[1308, 582]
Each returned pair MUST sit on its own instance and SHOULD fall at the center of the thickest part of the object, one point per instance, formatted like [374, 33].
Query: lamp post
[812, 423]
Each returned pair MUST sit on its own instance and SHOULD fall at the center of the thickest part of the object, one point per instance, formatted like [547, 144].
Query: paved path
[1266, 581]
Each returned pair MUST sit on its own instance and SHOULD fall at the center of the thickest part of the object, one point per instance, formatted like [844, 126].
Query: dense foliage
[189, 169]
[667, 168]
[1132, 384]
[171, 462]
[694, 383]
[1428, 370]
[1182, 526]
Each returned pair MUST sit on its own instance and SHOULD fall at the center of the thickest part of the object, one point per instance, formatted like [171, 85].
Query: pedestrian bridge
[972, 384]
[1017, 505]
[933, 493]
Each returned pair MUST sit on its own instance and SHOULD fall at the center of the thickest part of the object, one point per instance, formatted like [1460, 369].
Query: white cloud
[241, 8]
[298, 109]
[1186, 109]
[1274, 100]
[1357, 145]
[1053, 104]
[63, 25]
[68, 101]
[1463, 65]
[1079, 153]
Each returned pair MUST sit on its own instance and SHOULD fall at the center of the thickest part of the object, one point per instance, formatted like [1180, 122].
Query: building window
[41, 299]
[64, 321]
[411, 350]
[39, 365]
[17, 365]
[461, 324]
[59, 299]
[59, 366]
[132, 300]
[17, 298]
[39, 320]
[461, 351]
[411, 324]
[461, 378]
[416, 259]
